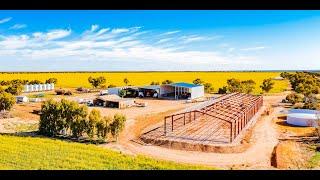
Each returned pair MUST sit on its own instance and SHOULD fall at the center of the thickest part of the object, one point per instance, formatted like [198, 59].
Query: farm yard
[218, 79]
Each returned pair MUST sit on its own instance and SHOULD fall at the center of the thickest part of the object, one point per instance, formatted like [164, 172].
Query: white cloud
[104, 45]
[5, 20]
[52, 34]
[94, 27]
[170, 32]
[18, 26]
[164, 40]
[120, 30]
[193, 38]
[253, 48]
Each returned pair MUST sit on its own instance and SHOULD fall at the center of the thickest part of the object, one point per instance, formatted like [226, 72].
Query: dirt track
[257, 156]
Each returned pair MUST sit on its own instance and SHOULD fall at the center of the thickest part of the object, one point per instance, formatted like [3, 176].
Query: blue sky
[159, 40]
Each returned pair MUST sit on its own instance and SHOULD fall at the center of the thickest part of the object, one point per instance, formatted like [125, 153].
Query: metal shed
[181, 90]
[113, 101]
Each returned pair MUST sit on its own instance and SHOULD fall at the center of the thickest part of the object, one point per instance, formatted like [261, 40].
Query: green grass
[42, 153]
[315, 160]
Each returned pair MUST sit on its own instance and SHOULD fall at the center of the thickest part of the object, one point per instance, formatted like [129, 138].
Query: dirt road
[257, 156]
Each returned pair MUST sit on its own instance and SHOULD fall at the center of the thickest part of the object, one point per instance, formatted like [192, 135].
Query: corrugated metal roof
[186, 85]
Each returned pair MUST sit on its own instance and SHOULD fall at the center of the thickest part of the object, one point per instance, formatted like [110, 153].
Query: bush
[112, 86]
[52, 80]
[208, 88]
[222, 90]
[197, 81]
[60, 91]
[167, 82]
[154, 83]
[14, 89]
[7, 100]
[294, 98]
[68, 93]
[35, 82]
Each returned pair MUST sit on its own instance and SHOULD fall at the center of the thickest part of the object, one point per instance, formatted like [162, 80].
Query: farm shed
[20, 99]
[113, 101]
[181, 90]
[131, 91]
[149, 91]
[219, 122]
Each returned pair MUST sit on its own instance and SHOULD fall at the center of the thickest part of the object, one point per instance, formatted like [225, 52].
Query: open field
[43, 153]
[218, 79]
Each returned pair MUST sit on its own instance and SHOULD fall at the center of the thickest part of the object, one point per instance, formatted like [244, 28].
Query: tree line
[70, 119]
[305, 87]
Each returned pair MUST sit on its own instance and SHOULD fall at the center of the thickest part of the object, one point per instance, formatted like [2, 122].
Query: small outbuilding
[21, 99]
[113, 101]
[181, 90]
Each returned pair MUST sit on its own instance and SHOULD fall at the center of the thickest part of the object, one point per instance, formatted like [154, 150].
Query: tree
[154, 83]
[208, 87]
[52, 80]
[285, 75]
[117, 125]
[126, 81]
[35, 82]
[248, 86]
[122, 93]
[63, 116]
[6, 101]
[167, 82]
[103, 127]
[14, 89]
[198, 81]
[234, 85]
[93, 119]
[294, 98]
[267, 85]
[223, 90]
[96, 82]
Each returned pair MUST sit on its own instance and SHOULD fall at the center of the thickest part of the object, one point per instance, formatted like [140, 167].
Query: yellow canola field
[218, 79]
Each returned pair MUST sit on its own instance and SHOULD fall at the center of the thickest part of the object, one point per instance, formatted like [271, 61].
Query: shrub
[68, 93]
[167, 82]
[294, 98]
[60, 91]
[198, 81]
[222, 90]
[154, 83]
[14, 89]
[52, 80]
[7, 100]
[111, 86]
[126, 81]
[35, 82]
[208, 87]
[122, 93]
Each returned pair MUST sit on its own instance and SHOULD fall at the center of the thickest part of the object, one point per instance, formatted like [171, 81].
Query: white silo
[52, 86]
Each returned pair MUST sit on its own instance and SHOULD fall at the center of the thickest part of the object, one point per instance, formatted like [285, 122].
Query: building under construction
[218, 121]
